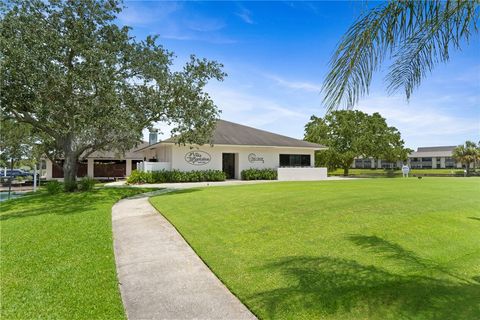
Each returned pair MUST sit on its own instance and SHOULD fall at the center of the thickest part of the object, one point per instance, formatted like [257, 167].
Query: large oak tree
[351, 133]
[84, 83]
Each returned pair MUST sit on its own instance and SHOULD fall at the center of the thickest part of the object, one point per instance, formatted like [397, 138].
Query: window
[449, 162]
[295, 160]
[359, 163]
[426, 163]
[387, 165]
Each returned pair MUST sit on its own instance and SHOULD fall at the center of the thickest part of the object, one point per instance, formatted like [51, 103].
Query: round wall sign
[197, 158]
[252, 157]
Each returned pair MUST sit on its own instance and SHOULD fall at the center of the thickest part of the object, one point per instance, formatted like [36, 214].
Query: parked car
[14, 173]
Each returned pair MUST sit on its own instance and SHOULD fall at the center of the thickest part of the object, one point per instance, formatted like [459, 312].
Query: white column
[49, 169]
[35, 178]
[434, 162]
[442, 162]
[372, 164]
[90, 168]
[128, 169]
[379, 164]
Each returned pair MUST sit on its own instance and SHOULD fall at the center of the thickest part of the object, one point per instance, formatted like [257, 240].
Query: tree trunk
[345, 171]
[70, 172]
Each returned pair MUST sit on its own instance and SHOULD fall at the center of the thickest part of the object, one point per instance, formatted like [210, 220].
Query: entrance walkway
[187, 185]
[160, 276]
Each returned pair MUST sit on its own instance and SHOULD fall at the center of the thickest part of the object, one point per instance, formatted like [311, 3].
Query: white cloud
[136, 14]
[425, 122]
[296, 85]
[245, 15]
[169, 21]
[259, 111]
[204, 25]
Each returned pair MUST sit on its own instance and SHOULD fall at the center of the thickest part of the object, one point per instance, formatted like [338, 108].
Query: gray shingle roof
[130, 154]
[433, 149]
[230, 133]
[442, 151]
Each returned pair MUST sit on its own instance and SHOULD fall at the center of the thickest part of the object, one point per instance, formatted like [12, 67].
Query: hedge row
[84, 184]
[259, 174]
[164, 176]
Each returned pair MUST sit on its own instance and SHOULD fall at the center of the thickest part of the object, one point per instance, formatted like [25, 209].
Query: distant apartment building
[423, 158]
[433, 158]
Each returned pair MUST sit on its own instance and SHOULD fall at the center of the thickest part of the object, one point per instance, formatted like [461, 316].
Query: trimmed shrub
[86, 184]
[54, 187]
[259, 174]
[164, 176]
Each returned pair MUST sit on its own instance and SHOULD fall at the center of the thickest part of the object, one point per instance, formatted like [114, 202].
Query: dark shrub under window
[295, 160]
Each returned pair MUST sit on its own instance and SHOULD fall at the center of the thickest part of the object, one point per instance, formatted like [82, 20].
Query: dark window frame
[295, 160]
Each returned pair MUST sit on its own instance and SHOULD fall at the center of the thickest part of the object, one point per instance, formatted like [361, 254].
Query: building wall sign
[252, 158]
[197, 158]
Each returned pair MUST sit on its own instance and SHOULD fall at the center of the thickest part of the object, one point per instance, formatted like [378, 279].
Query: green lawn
[57, 256]
[398, 173]
[364, 249]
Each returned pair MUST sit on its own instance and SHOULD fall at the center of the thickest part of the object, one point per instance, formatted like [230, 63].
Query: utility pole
[11, 178]
[35, 178]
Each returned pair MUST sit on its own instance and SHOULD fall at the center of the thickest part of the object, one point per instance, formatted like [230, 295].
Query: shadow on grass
[406, 258]
[474, 218]
[336, 287]
[389, 250]
[181, 191]
[59, 204]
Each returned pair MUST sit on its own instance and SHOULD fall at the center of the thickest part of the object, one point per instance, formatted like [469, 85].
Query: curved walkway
[160, 276]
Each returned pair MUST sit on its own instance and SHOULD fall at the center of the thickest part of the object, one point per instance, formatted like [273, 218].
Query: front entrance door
[228, 165]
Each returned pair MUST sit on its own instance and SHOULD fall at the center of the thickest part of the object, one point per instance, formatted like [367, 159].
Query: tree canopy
[467, 154]
[414, 35]
[86, 84]
[351, 133]
[16, 142]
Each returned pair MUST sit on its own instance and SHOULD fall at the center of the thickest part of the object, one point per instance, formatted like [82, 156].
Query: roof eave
[319, 147]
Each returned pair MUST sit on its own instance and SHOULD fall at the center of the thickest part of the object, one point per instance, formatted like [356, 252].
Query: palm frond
[417, 35]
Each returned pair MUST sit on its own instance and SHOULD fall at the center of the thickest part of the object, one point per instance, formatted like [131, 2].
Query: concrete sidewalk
[187, 185]
[160, 276]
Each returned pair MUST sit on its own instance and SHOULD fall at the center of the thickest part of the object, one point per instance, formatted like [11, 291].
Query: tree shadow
[389, 250]
[343, 288]
[60, 204]
[406, 258]
[474, 218]
[181, 191]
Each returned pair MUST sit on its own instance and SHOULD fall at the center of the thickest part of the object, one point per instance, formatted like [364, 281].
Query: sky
[276, 55]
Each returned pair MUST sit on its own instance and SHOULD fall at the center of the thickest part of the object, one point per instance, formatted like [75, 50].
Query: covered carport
[100, 165]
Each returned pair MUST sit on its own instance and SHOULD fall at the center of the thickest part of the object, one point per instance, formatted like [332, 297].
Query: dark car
[16, 173]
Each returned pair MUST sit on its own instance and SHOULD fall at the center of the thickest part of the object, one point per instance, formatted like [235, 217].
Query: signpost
[405, 171]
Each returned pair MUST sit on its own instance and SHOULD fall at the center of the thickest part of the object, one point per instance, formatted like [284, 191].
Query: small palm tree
[415, 35]
[466, 154]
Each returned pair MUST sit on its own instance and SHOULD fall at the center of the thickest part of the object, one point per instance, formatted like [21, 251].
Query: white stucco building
[234, 148]
[433, 158]
[424, 158]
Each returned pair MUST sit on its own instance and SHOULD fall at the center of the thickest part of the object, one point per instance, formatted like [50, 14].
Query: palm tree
[466, 154]
[415, 35]
[474, 151]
